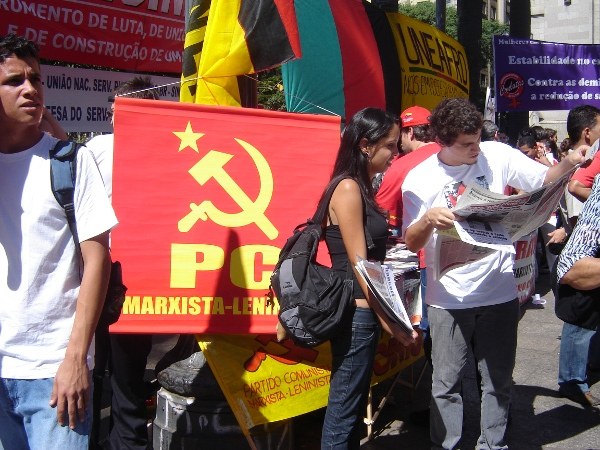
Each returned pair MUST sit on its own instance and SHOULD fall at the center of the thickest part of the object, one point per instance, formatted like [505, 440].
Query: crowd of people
[50, 308]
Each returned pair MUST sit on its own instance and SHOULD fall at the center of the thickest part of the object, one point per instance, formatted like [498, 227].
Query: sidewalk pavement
[540, 417]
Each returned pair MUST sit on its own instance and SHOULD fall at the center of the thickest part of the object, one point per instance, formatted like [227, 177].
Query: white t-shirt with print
[489, 280]
[39, 272]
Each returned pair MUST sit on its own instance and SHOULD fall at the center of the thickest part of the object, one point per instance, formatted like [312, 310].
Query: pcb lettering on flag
[206, 197]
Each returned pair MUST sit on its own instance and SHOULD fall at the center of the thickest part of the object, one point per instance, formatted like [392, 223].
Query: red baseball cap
[415, 116]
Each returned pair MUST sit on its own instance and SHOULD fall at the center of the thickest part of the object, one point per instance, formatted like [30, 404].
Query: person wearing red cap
[417, 146]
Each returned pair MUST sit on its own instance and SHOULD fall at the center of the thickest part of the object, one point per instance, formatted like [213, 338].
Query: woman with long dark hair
[369, 143]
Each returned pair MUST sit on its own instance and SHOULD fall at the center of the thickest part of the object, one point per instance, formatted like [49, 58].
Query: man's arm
[584, 274]
[579, 190]
[577, 156]
[581, 183]
[420, 232]
[71, 390]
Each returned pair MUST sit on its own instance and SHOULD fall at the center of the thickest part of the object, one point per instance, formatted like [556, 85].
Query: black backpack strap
[323, 208]
[63, 173]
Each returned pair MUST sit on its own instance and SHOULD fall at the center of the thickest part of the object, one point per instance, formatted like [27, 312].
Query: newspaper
[380, 280]
[405, 267]
[408, 284]
[494, 222]
[485, 234]
[518, 215]
[452, 252]
[400, 257]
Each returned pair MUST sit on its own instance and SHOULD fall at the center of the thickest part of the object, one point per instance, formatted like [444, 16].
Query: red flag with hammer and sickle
[206, 196]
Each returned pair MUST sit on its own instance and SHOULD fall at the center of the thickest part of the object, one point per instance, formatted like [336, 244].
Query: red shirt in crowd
[585, 175]
[389, 196]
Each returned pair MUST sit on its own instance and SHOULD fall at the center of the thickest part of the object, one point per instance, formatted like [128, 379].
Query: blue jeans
[353, 352]
[492, 333]
[27, 422]
[573, 357]
[424, 325]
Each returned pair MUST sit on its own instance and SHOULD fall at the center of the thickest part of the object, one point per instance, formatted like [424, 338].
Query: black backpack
[313, 299]
[63, 171]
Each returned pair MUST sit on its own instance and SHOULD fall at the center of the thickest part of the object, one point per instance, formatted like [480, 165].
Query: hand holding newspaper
[494, 222]
[518, 215]
[380, 280]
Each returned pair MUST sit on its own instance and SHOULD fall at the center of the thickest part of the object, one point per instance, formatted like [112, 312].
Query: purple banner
[537, 76]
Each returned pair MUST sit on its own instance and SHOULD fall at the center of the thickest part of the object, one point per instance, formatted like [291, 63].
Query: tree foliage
[425, 12]
[489, 29]
[270, 90]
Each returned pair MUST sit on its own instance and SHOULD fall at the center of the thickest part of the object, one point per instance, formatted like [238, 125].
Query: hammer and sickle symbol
[212, 166]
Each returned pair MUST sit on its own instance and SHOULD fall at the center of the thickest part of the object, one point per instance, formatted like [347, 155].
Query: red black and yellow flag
[356, 55]
[226, 38]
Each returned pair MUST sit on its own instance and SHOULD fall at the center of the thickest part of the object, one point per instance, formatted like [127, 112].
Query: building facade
[565, 21]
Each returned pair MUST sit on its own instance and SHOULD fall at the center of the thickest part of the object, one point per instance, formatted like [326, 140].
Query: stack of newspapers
[401, 258]
[403, 309]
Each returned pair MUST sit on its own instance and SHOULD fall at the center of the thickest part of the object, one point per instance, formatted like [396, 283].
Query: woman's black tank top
[378, 228]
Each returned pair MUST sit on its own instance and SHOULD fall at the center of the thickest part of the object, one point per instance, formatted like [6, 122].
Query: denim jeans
[573, 357]
[353, 352]
[492, 331]
[424, 325]
[594, 353]
[27, 422]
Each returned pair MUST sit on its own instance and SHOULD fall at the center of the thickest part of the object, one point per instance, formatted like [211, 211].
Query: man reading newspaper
[474, 303]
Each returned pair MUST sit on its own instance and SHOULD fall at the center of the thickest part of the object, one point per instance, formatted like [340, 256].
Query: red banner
[206, 197]
[132, 35]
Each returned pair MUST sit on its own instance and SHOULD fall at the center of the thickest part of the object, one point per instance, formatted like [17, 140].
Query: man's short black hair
[580, 118]
[527, 137]
[488, 131]
[539, 133]
[421, 133]
[137, 87]
[13, 45]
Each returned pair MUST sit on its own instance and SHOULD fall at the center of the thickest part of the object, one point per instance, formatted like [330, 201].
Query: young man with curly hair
[474, 304]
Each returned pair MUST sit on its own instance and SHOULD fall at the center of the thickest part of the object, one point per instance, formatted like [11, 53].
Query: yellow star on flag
[188, 138]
